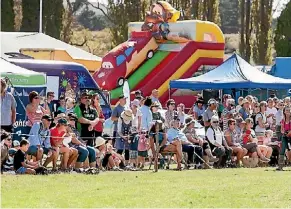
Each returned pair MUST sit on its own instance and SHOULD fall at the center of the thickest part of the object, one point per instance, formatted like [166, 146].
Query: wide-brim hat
[245, 101]
[99, 141]
[127, 115]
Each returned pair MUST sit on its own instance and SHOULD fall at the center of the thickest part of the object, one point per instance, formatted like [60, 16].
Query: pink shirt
[287, 127]
[34, 117]
[142, 143]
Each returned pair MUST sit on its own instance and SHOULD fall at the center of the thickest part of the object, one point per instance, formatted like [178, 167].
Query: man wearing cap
[174, 133]
[8, 108]
[116, 113]
[217, 142]
[49, 106]
[228, 112]
[209, 112]
[191, 135]
[39, 138]
[5, 144]
[245, 110]
[87, 118]
[155, 97]
[198, 109]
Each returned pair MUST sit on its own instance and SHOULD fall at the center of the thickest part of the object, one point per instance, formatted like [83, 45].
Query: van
[67, 79]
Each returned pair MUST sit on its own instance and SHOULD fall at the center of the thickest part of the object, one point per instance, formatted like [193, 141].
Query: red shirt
[56, 136]
[99, 125]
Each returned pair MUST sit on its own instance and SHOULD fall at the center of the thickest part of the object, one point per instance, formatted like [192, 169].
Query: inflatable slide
[159, 50]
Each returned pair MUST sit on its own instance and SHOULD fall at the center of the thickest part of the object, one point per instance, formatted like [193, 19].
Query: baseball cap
[47, 117]
[84, 93]
[135, 102]
[122, 96]
[212, 101]
[63, 121]
[15, 143]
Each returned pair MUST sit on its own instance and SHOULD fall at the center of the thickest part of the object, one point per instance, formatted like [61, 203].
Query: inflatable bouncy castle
[158, 50]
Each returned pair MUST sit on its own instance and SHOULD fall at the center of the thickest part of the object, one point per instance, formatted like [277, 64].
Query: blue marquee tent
[235, 73]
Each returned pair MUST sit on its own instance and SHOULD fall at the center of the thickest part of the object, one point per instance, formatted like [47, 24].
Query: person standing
[96, 104]
[147, 116]
[209, 112]
[8, 108]
[87, 118]
[49, 105]
[116, 113]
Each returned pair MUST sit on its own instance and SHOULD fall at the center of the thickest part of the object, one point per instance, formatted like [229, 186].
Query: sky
[276, 14]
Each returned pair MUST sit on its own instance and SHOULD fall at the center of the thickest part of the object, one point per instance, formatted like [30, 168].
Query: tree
[120, 13]
[242, 45]
[90, 20]
[53, 11]
[7, 15]
[283, 33]
[68, 18]
[229, 14]
[30, 20]
[262, 20]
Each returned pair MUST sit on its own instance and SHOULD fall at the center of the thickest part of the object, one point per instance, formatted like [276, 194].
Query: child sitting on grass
[8, 164]
[21, 166]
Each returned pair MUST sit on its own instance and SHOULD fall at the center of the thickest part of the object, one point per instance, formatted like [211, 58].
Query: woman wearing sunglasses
[34, 110]
[95, 103]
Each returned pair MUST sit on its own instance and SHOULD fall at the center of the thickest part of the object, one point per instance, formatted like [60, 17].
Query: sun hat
[15, 143]
[135, 102]
[99, 141]
[127, 115]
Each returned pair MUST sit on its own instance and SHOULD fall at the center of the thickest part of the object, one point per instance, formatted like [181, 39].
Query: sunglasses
[51, 95]
[86, 97]
[35, 97]
[233, 124]
[215, 122]
[173, 104]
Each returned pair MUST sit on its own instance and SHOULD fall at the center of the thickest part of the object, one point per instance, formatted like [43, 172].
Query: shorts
[21, 170]
[32, 150]
[133, 154]
[251, 147]
[143, 153]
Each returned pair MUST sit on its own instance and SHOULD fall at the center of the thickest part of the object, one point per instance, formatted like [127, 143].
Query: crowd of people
[244, 134]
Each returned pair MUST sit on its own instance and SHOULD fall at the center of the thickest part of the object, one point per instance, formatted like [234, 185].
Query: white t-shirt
[258, 129]
[269, 111]
[219, 136]
[135, 119]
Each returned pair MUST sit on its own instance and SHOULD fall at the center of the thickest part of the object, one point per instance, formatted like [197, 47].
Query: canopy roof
[235, 72]
[20, 76]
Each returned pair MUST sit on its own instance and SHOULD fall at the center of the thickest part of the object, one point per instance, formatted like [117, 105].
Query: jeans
[190, 149]
[284, 145]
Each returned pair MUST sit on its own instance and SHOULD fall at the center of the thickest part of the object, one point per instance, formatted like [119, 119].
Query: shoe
[115, 168]
[264, 159]
[213, 159]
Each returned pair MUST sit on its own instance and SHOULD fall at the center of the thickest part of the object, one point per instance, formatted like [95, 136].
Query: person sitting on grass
[39, 139]
[5, 144]
[104, 157]
[21, 166]
[118, 159]
[8, 164]
[164, 145]
[218, 143]
[233, 141]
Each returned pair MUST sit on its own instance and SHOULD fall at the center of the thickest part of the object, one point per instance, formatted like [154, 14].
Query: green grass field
[194, 188]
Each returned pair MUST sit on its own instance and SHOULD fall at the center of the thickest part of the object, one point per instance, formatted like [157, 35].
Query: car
[124, 59]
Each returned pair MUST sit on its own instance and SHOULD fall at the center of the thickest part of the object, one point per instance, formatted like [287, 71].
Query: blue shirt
[243, 113]
[174, 133]
[117, 113]
[199, 111]
[7, 104]
[39, 136]
[146, 118]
